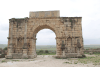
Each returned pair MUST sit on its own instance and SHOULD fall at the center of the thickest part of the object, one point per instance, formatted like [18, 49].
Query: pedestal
[25, 56]
[8, 57]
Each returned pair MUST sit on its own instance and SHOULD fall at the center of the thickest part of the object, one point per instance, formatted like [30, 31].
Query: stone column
[58, 47]
[11, 32]
[63, 51]
[79, 46]
[73, 47]
[66, 47]
[24, 53]
[82, 46]
[34, 47]
[25, 32]
[79, 55]
[16, 44]
[25, 50]
[10, 46]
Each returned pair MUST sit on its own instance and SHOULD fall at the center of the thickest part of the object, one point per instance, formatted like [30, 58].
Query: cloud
[46, 37]
[92, 41]
[3, 37]
[4, 26]
[89, 10]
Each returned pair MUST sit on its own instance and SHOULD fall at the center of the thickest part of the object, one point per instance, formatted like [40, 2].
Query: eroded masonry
[23, 31]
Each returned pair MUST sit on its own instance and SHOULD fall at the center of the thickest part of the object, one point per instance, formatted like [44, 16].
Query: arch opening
[45, 41]
[43, 27]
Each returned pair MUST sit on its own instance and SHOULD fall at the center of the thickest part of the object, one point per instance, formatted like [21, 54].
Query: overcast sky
[89, 10]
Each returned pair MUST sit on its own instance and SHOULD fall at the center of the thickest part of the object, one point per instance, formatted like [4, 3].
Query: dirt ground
[43, 61]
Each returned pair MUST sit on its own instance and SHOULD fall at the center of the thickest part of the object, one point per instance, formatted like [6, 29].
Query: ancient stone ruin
[23, 31]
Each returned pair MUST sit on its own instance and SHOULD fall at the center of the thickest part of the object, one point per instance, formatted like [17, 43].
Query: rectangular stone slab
[43, 14]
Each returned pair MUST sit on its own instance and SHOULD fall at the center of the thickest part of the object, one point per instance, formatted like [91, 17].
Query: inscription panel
[42, 14]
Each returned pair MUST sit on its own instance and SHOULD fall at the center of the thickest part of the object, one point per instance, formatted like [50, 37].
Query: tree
[41, 51]
[5, 48]
[46, 51]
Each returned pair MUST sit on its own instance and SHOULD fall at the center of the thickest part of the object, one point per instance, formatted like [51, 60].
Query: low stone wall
[70, 55]
[88, 51]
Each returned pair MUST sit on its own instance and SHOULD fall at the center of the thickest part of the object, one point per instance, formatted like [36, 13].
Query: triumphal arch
[23, 31]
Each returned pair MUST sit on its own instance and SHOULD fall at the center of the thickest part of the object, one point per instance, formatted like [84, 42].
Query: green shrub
[2, 55]
[83, 56]
[4, 61]
[41, 51]
[87, 49]
[5, 48]
[46, 51]
[0, 52]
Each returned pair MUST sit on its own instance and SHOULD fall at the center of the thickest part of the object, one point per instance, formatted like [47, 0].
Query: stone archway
[36, 30]
[22, 33]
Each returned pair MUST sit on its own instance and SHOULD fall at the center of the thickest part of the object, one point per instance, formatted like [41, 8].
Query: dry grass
[95, 60]
[88, 59]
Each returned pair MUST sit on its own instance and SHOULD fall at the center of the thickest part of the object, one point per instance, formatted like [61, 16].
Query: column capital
[12, 20]
[60, 37]
[26, 19]
[8, 37]
[35, 38]
[10, 45]
[32, 38]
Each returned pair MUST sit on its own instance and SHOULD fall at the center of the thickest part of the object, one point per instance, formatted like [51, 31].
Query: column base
[8, 56]
[79, 56]
[30, 56]
[69, 55]
[16, 55]
[25, 57]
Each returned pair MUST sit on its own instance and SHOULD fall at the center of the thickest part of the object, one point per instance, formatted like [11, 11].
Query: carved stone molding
[26, 19]
[31, 38]
[8, 37]
[18, 37]
[12, 20]
[60, 38]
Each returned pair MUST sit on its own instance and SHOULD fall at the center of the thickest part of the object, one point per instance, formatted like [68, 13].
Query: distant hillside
[91, 46]
[3, 45]
[52, 47]
[46, 47]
